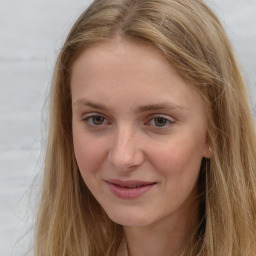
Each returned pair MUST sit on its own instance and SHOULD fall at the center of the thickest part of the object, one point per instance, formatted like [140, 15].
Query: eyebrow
[140, 109]
[161, 106]
[91, 104]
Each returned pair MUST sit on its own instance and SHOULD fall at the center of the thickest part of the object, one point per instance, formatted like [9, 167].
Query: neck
[169, 236]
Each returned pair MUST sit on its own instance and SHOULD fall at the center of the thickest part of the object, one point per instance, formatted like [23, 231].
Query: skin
[119, 91]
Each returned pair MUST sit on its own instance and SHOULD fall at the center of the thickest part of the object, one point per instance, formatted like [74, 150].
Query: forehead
[119, 53]
[127, 70]
[120, 60]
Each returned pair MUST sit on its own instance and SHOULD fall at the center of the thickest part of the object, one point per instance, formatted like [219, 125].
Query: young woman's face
[139, 133]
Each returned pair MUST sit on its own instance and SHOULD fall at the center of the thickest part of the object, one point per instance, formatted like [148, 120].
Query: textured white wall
[31, 32]
[239, 19]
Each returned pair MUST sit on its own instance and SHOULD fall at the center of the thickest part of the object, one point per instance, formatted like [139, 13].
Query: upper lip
[129, 183]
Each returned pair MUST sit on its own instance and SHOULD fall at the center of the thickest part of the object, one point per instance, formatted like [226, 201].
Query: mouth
[129, 189]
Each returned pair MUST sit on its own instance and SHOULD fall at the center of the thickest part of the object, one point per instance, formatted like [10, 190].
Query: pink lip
[124, 189]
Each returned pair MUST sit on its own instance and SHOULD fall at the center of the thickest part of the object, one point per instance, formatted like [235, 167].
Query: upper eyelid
[167, 117]
[91, 114]
[87, 116]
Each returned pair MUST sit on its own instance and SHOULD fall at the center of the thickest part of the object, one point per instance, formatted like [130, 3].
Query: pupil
[160, 121]
[98, 120]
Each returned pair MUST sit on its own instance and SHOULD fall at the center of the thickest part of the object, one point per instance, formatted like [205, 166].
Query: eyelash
[166, 121]
[89, 119]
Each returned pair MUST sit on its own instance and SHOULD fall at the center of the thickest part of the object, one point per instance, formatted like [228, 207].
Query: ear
[207, 152]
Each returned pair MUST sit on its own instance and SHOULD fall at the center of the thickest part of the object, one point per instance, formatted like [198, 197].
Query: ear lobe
[207, 151]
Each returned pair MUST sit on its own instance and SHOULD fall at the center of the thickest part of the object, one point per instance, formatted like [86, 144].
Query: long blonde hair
[70, 221]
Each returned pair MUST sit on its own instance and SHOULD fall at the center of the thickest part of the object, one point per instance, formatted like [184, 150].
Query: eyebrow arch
[161, 106]
[140, 109]
[88, 103]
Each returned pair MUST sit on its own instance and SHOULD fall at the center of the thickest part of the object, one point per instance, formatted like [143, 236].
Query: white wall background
[31, 32]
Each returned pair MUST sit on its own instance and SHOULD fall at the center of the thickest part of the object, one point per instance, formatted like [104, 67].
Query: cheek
[180, 156]
[89, 153]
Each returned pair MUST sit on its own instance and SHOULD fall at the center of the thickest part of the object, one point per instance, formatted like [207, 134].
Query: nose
[125, 153]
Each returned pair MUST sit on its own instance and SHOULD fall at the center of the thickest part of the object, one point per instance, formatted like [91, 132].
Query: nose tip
[124, 153]
[124, 162]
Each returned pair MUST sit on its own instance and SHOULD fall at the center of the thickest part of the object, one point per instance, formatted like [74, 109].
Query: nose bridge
[124, 151]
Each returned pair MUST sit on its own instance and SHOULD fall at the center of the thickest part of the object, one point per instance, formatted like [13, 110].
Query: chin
[129, 219]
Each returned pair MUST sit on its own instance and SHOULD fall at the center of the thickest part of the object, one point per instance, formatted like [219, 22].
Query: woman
[151, 147]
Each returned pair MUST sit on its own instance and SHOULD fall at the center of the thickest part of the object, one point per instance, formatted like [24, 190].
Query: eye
[95, 120]
[160, 121]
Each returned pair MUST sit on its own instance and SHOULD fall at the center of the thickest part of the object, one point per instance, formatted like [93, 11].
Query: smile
[129, 189]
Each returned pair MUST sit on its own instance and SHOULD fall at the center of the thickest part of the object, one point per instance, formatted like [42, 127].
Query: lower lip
[129, 193]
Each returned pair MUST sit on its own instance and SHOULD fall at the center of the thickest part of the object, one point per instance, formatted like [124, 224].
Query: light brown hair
[70, 221]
